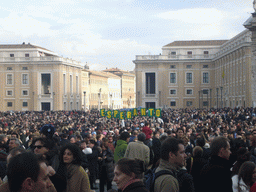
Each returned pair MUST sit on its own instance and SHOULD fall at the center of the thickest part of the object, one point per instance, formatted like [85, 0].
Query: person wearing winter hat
[47, 130]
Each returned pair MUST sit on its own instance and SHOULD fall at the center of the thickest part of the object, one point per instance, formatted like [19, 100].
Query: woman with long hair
[244, 181]
[129, 174]
[77, 178]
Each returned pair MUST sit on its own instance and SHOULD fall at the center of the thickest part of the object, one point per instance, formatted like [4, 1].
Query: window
[189, 77]
[189, 66]
[205, 103]
[9, 68]
[189, 103]
[24, 79]
[205, 91]
[9, 92]
[71, 84]
[172, 54]
[206, 54]
[172, 77]
[205, 66]
[9, 104]
[24, 92]
[206, 77]
[173, 91]
[27, 55]
[189, 91]
[25, 104]
[11, 55]
[150, 83]
[173, 66]
[77, 86]
[64, 83]
[189, 54]
[24, 68]
[9, 79]
[173, 103]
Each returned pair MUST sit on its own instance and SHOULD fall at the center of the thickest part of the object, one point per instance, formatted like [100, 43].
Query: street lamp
[53, 93]
[210, 98]
[221, 96]
[199, 98]
[111, 106]
[99, 96]
[84, 101]
[217, 89]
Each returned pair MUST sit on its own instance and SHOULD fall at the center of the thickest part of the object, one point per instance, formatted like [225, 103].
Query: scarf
[130, 182]
[71, 170]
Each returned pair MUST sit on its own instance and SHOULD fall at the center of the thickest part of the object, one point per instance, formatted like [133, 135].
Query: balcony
[38, 59]
[150, 95]
[173, 57]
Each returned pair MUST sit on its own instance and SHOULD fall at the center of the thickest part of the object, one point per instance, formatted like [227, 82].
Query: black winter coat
[135, 187]
[107, 163]
[216, 176]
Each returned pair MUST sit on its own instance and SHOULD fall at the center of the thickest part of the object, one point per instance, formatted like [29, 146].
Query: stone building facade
[34, 78]
[196, 74]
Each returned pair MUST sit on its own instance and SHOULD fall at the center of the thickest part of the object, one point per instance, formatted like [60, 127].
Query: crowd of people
[186, 149]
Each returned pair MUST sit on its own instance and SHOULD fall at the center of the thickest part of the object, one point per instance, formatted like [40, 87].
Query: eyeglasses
[38, 146]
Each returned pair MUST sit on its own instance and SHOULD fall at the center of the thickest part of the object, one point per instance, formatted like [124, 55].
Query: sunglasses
[38, 146]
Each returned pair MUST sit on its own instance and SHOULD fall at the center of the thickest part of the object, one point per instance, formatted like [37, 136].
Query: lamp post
[199, 98]
[110, 95]
[217, 90]
[53, 93]
[210, 98]
[99, 95]
[221, 103]
[130, 102]
[84, 101]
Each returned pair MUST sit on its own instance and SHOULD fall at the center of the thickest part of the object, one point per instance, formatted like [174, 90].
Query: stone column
[251, 25]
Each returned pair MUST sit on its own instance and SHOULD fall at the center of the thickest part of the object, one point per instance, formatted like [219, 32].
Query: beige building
[101, 90]
[192, 74]
[34, 78]
[127, 86]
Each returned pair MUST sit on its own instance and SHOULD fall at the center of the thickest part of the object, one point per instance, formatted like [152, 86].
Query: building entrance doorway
[46, 106]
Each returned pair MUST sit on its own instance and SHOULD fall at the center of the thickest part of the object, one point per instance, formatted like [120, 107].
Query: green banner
[151, 112]
[109, 114]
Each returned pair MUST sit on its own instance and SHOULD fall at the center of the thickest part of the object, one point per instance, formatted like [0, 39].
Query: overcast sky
[109, 33]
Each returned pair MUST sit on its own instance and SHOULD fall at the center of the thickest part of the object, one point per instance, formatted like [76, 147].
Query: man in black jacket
[216, 174]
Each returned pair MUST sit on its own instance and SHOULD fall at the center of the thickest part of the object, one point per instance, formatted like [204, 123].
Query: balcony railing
[43, 58]
[173, 57]
[150, 95]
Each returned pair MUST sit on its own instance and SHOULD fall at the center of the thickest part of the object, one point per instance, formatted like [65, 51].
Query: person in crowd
[195, 164]
[173, 158]
[201, 143]
[156, 146]
[93, 163]
[148, 132]
[46, 147]
[28, 173]
[121, 146]
[245, 180]
[138, 150]
[129, 174]
[13, 143]
[243, 155]
[106, 167]
[111, 144]
[216, 174]
[77, 178]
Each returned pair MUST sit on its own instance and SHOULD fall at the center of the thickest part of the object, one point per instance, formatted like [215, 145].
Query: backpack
[151, 176]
